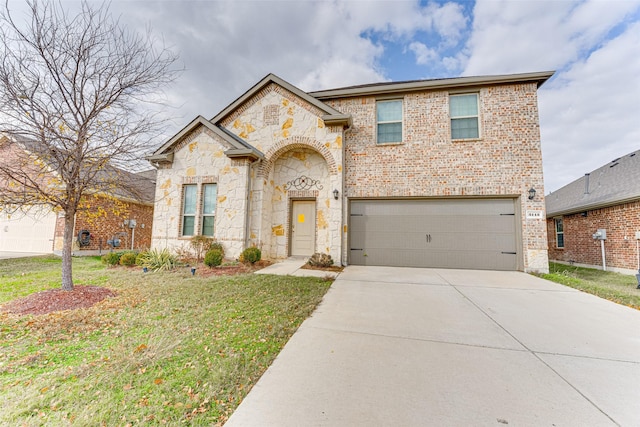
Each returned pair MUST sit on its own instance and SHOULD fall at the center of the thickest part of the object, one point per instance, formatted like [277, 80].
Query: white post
[604, 263]
[133, 236]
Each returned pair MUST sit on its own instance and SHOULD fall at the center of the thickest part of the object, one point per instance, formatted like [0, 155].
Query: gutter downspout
[344, 240]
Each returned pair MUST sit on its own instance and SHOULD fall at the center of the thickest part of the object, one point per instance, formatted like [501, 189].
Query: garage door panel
[459, 223]
[454, 233]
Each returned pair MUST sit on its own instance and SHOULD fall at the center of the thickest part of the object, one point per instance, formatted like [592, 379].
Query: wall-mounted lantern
[336, 194]
[532, 193]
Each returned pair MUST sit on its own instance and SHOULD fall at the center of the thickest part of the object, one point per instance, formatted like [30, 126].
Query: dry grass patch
[169, 348]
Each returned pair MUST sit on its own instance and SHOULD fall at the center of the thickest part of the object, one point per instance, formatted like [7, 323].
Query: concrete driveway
[415, 347]
[8, 255]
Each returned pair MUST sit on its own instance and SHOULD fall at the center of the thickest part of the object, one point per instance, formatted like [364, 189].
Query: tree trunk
[67, 244]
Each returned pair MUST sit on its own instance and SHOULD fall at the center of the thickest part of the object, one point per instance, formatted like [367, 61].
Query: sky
[587, 109]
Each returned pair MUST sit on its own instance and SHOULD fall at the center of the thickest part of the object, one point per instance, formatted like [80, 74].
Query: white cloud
[587, 113]
[424, 55]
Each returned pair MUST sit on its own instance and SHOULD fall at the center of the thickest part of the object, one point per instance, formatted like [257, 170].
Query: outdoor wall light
[336, 193]
[532, 193]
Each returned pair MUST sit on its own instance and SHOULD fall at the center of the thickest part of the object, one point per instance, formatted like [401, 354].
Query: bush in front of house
[320, 260]
[250, 255]
[213, 257]
[141, 257]
[157, 260]
[111, 258]
[128, 259]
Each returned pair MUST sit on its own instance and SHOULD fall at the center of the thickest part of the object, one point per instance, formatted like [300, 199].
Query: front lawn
[171, 348]
[616, 287]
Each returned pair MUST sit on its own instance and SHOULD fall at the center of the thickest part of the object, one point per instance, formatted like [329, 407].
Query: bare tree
[73, 107]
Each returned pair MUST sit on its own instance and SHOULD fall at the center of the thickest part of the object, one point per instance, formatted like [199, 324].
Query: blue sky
[588, 110]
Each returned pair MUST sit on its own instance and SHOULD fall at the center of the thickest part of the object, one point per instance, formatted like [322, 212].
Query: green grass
[619, 288]
[169, 349]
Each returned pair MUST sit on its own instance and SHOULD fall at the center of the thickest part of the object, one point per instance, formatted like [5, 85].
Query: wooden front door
[303, 227]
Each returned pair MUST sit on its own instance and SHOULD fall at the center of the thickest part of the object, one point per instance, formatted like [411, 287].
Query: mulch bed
[53, 300]
[57, 300]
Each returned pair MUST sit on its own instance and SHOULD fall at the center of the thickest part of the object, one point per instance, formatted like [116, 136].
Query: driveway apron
[414, 347]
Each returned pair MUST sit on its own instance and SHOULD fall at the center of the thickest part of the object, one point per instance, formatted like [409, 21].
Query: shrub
[320, 260]
[141, 257]
[128, 259]
[216, 245]
[213, 257]
[251, 255]
[200, 245]
[158, 260]
[111, 258]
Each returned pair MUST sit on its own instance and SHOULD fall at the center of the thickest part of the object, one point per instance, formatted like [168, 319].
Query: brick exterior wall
[104, 220]
[621, 222]
[505, 161]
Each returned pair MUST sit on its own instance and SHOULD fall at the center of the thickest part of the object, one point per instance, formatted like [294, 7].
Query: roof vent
[632, 154]
[615, 160]
[615, 164]
[586, 183]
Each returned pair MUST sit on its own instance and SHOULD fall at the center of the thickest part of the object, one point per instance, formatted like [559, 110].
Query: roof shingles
[614, 183]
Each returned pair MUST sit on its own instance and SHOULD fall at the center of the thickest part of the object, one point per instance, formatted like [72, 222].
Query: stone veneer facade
[506, 161]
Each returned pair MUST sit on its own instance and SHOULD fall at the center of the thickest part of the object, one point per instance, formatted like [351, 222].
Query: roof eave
[160, 158]
[344, 120]
[592, 206]
[244, 153]
[458, 82]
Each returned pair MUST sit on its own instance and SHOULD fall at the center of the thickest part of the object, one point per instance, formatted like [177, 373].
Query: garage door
[32, 232]
[451, 233]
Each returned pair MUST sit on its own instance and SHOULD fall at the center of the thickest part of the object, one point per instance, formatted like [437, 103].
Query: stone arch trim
[285, 145]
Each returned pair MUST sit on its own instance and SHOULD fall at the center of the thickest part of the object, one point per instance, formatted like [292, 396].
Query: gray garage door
[452, 233]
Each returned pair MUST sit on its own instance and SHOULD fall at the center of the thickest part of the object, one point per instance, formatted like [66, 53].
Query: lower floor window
[559, 233]
[198, 209]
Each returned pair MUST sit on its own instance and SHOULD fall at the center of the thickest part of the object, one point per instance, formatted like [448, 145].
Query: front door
[303, 227]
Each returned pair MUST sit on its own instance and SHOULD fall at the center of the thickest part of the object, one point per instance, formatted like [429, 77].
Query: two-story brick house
[430, 173]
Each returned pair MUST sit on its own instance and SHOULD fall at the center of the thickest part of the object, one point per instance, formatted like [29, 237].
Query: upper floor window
[463, 110]
[559, 233]
[189, 202]
[389, 121]
[209, 194]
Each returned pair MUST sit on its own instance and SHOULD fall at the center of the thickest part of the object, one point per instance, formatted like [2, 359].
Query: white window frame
[401, 121]
[184, 214]
[475, 116]
[557, 221]
[204, 214]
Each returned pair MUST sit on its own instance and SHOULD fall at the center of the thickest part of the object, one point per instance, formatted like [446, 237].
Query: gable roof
[615, 183]
[239, 147]
[331, 116]
[140, 186]
[415, 85]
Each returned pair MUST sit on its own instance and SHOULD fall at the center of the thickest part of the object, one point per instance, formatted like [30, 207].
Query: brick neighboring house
[607, 198]
[116, 216]
[429, 173]
[41, 229]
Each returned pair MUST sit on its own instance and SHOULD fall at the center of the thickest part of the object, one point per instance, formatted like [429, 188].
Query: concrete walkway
[293, 267]
[415, 347]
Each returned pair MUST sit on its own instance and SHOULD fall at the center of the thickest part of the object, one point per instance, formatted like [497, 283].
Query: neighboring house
[432, 173]
[39, 229]
[606, 199]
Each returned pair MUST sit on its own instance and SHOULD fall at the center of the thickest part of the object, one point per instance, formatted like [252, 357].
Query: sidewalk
[293, 267]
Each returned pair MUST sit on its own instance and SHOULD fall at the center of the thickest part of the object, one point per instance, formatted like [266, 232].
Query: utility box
[600, 234]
